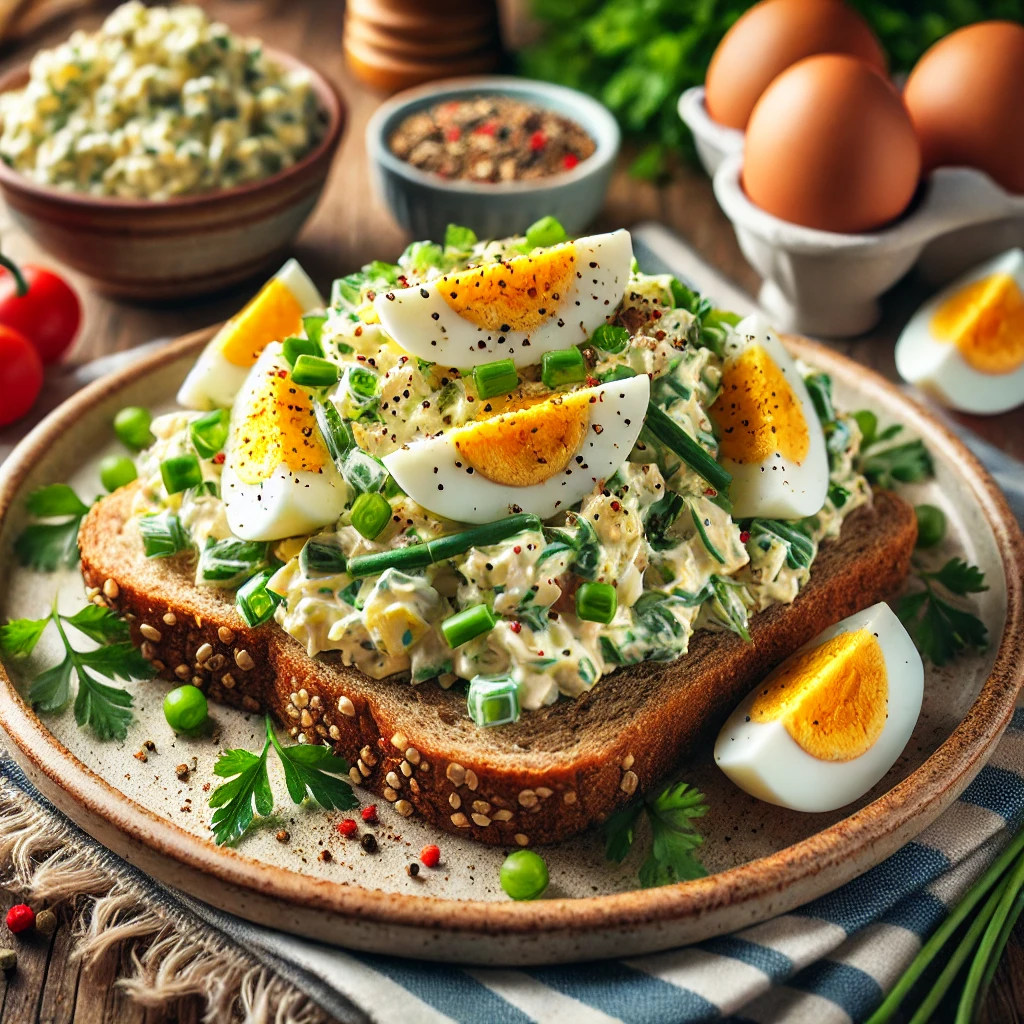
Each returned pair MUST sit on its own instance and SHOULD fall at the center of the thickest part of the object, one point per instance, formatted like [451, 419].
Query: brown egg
[830, 145]
[966, 100]
[769, 38]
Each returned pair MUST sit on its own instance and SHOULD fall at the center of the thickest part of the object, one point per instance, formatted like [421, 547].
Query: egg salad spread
[518, 465]
[159, 102]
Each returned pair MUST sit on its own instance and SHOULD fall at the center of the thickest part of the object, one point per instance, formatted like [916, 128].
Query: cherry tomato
[48, 314]
[21, 375]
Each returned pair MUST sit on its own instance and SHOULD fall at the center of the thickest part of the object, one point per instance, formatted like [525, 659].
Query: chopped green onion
[162, 535]
[116, 471]
[209, 433]
[704, 538]
[313, 325]
[231, 561]
[609, 338]
[493, 700]
[347, 292]
[497, 378]
[544, 232]
[458, 237]
[679, 442]
[363, 473]
[318, 556]
[370, 514]
[800, 549]
[417, 556]
[596, 602]
[180, 472]
[931, 525]
[255, 602]
[618, 372]
[363, 382]
[207, 489]
[314, 372]
[132, 427]
[337, 434]
[819, 387]
[563, 366]
[461, 627]
[294, 347]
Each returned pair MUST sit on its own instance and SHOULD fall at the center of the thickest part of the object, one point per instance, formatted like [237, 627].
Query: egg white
[777, 488]
[766, 762]
[421, 321]
[214, 381]
[938, 367]
[287, 503]
[427, 471]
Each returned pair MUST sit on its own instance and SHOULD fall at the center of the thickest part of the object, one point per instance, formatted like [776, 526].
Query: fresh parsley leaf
[905, 463]
[47, 547]
[248, 788]
[118, 661]
[51, 689]
[938, 627]
[19, 637]
[99, 624]
[674, 838]
[958, 577]
[55, 500]
[105, 709]
[312, 769]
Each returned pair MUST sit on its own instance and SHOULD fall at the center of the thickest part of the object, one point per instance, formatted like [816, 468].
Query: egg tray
[825, 284]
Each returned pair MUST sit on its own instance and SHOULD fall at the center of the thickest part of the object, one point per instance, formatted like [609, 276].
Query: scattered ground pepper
[20, 918]
[46, 922]
[326, 856]
[491, 139]
[182, 771]
[283, 835]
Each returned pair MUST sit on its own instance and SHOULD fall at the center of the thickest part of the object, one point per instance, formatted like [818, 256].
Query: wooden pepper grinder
[395, 44]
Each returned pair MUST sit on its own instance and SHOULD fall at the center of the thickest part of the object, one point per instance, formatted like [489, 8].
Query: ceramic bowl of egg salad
[162, 155]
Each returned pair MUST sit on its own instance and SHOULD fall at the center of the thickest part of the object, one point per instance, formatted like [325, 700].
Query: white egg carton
[827, 284]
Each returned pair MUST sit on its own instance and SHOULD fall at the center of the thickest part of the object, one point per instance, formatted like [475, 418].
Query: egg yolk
[527, 446]
[273, 315]
[279, 428]
[757, 413]
[832, 700]
[985, 320]
[517, 295]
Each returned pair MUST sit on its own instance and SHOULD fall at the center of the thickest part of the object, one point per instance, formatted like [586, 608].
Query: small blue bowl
[425, 204]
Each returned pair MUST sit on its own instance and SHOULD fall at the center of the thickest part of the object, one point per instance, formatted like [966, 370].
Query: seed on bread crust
[110, 588]
[629, 783]
[204, 652]
[460, 820]
[456, 774]
[170, 619]
[521, 839]
[404, 808]
[346, 707]
[455, 800]
[226, 635]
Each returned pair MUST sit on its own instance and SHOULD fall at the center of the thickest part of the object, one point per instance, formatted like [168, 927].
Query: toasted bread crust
[558, 770]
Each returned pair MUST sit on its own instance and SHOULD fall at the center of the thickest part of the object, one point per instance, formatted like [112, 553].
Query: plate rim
[924, 792]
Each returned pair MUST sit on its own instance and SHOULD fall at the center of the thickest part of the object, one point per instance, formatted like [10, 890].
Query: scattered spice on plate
[491, 139]
[347, 827]
[283, 835]
[430, 855]
[369, 842]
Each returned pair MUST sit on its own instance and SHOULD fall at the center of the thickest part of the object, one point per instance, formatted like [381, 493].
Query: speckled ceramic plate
[764, 860]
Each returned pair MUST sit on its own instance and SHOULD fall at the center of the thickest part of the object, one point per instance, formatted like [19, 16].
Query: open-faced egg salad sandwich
[510, 524]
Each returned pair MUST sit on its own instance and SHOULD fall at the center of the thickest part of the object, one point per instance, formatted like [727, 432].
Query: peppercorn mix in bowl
[492, 153]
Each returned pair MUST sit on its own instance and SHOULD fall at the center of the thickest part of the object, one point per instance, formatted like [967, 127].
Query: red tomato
[21, 375]
[48, 314]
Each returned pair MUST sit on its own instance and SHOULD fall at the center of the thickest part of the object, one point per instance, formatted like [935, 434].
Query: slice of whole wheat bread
[555, 772]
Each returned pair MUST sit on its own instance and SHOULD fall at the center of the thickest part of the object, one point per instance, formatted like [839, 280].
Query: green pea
[132, 427]
[931, 525]
[524, 875]
[185, 708]
[116, 471]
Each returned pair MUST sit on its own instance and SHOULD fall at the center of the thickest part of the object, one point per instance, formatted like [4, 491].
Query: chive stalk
[497, 378]
[563, 366]
[463, 626]
[418, 556]
[679, 442]
[314, 371]
[596, 602]
[209, 433]
[180, 472]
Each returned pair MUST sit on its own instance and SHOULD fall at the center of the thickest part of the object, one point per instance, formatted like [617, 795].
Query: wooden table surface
[348, 229]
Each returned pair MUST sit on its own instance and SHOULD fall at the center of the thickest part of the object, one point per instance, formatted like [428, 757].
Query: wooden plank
[94, 985]
[25, 985]
[58, 998]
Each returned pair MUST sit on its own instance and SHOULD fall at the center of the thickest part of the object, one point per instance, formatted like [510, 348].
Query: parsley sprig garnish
[884, 464]
[670, 815]
[309, 770]
[49, 546]
[940, 629]
[104, 708]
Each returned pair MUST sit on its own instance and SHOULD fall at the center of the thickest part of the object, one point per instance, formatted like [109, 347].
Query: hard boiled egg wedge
[770, 437]
[966, 346]
[541, 458]
[831, 720]
[279, 479]
[518, 309]
[273, 315]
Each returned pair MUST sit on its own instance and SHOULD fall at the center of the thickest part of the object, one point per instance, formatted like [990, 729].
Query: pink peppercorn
[369, 813]
[347, 826]
[570, 160]
[537, 141]
[430, 855]
[20, 918]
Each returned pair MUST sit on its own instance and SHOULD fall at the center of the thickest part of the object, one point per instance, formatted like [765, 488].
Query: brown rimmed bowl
[184, 246]
[765, 861]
